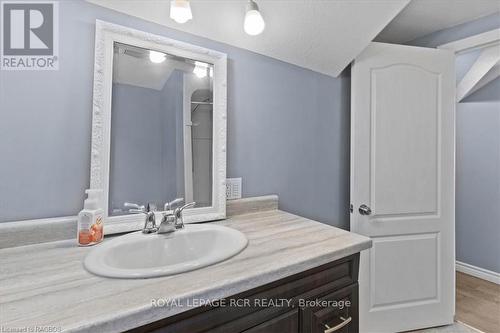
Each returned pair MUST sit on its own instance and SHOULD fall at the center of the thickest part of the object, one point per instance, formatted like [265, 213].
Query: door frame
[480, 41]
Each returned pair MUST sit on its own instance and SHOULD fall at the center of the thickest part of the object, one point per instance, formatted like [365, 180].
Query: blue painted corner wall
[477, 156]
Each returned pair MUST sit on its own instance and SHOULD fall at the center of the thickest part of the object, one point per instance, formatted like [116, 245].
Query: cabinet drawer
[287, 322]
[336, 312]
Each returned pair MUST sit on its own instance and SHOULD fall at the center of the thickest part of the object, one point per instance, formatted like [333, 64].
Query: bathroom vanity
[322, 299]
[252, 268]
[287, 258]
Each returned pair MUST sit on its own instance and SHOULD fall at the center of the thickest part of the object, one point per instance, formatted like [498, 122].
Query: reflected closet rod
[202, 103]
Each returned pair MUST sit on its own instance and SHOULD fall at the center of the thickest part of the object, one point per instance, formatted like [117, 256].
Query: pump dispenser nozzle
[93, 198]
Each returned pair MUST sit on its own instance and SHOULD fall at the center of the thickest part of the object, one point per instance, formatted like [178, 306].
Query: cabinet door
[287, 322]
[334, 313]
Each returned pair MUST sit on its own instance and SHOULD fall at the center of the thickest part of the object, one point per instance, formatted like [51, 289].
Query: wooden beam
[484, 39]
[490, 76]
[488, 58]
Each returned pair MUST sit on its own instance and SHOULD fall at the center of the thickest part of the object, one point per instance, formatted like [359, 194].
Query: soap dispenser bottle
[90, 220]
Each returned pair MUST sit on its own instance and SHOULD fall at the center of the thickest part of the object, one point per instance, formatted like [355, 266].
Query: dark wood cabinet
[322, 299]
[287, 322]
[335, 312]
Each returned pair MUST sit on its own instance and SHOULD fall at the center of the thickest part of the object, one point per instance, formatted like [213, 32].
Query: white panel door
[403, 171]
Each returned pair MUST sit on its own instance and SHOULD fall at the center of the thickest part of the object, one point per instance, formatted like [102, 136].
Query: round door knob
[364, 210]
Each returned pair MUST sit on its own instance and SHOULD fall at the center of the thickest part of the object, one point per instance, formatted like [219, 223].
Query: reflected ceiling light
[180, 11]
[200, 69]
[254, 23]
[157, 57]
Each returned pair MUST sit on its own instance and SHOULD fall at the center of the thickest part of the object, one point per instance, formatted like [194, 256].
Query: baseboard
[478, 272]
[472, 328]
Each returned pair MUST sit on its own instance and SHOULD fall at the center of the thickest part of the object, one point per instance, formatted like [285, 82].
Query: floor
[478, 303]
[455, 328]
[477, 306]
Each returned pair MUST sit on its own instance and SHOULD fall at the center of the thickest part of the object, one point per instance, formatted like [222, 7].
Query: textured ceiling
[422, 17]
[324, 36]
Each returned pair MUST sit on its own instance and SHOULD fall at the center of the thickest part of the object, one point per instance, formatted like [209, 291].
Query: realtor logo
[29, 35]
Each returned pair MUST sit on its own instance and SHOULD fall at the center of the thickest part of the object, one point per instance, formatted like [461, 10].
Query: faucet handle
[151, 207]
[178, 211]
[148, 211]
[179, 221]
[169, 205]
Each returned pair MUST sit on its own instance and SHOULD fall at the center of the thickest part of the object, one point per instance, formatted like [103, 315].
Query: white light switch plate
[233, 188]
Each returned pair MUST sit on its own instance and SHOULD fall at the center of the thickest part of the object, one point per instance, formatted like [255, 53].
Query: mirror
[153, 159]
[163, 125]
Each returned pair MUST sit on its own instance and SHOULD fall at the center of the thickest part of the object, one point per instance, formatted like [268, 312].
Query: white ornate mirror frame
[106, 35]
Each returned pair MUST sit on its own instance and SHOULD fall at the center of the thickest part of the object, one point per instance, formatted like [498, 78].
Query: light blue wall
[288, 127]
[478, 184]
[477, 157]
[144, 160]
[136, 155]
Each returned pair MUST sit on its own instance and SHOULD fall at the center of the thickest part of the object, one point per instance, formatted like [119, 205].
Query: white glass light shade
[254, 22]
[180, 11]
[157, 57]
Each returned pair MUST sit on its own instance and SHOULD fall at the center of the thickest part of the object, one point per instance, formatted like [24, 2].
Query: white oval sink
[138, 255]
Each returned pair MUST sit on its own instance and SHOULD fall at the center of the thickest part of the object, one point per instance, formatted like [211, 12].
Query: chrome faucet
[149, 212]
[173, 221]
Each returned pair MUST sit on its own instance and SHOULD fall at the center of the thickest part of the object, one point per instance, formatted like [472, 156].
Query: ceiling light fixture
[200, 69]
[254, 23]
[180, 11]
[157, 57]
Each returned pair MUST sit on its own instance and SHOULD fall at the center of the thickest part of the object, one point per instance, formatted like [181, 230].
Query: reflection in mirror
[161, 129]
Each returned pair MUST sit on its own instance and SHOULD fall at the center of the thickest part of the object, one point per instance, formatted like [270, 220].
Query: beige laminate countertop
[46, 286]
